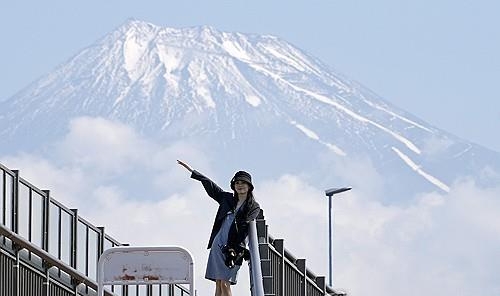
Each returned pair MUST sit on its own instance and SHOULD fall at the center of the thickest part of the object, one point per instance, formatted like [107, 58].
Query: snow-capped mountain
[249, 99]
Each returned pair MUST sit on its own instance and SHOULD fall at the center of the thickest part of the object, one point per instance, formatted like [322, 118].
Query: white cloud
[105, 145]
[436, 244]
[489, 174]
[358, 173]
[66, 184]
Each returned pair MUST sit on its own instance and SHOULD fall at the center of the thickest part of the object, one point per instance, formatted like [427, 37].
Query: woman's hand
[185, 165]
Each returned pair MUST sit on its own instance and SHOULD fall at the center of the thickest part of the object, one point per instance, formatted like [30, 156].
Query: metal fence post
[17, 273]
[14, 221]
[46, 280]
[279, 244]
[74, 239]
[46, 219]
[15, 202]
[102, 237]
[321, 282]
[301, 265]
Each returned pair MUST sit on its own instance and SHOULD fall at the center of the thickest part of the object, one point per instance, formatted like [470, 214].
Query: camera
[230, 256]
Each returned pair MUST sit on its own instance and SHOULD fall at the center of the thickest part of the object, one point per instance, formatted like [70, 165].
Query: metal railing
[48, 249]
[256, 285]
[282, 273]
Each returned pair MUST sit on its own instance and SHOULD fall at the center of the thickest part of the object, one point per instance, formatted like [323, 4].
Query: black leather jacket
[227, 202]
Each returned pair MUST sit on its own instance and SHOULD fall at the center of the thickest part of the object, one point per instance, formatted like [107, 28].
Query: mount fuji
[253, 100]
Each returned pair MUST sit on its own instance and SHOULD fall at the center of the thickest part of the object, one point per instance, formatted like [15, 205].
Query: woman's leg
[225, 288]
[218, 291]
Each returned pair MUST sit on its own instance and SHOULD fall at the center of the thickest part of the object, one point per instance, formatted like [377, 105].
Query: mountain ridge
[199, 82]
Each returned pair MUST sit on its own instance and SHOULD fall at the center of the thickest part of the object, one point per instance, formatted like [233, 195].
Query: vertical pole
[257, 288]
[279, 245]
[74, 239]
[46, 280]
[46, 220]
[192, 290]
[301, 265]
[15, 228]
[16, 275]
[102, 237]
[3, 200]
[15, 203]
[100, 277]
[330, 237]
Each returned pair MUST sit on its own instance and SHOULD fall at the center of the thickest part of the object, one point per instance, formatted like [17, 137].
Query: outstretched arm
[212, 189]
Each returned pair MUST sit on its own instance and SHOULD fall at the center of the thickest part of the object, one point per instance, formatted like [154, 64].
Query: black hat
[242, 176]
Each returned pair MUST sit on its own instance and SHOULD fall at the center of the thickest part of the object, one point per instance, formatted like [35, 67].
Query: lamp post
[330, 192]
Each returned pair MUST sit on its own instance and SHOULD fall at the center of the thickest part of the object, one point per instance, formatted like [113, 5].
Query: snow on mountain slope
[232, 92]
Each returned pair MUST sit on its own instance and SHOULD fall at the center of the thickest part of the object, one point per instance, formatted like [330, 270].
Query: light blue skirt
[216, 268]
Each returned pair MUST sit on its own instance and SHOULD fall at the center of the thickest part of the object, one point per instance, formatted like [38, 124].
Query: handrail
[48, 258]
[287, 256]
[257, 287]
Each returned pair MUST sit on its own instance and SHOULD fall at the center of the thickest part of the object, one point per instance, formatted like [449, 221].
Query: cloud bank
[438, 244]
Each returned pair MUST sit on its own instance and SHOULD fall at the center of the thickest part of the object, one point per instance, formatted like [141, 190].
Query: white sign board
[145, 266]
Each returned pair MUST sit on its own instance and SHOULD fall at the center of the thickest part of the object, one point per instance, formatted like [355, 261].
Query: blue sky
[436, 59]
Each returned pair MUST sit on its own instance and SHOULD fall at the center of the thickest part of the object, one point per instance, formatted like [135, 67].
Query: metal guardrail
[48, 249]
[282, 273]
[19, 243]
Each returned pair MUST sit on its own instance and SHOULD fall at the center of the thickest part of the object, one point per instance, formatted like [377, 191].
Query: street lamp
[330, 192]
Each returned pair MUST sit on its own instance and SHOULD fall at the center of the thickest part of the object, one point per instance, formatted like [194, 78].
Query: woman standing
[227, 241]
